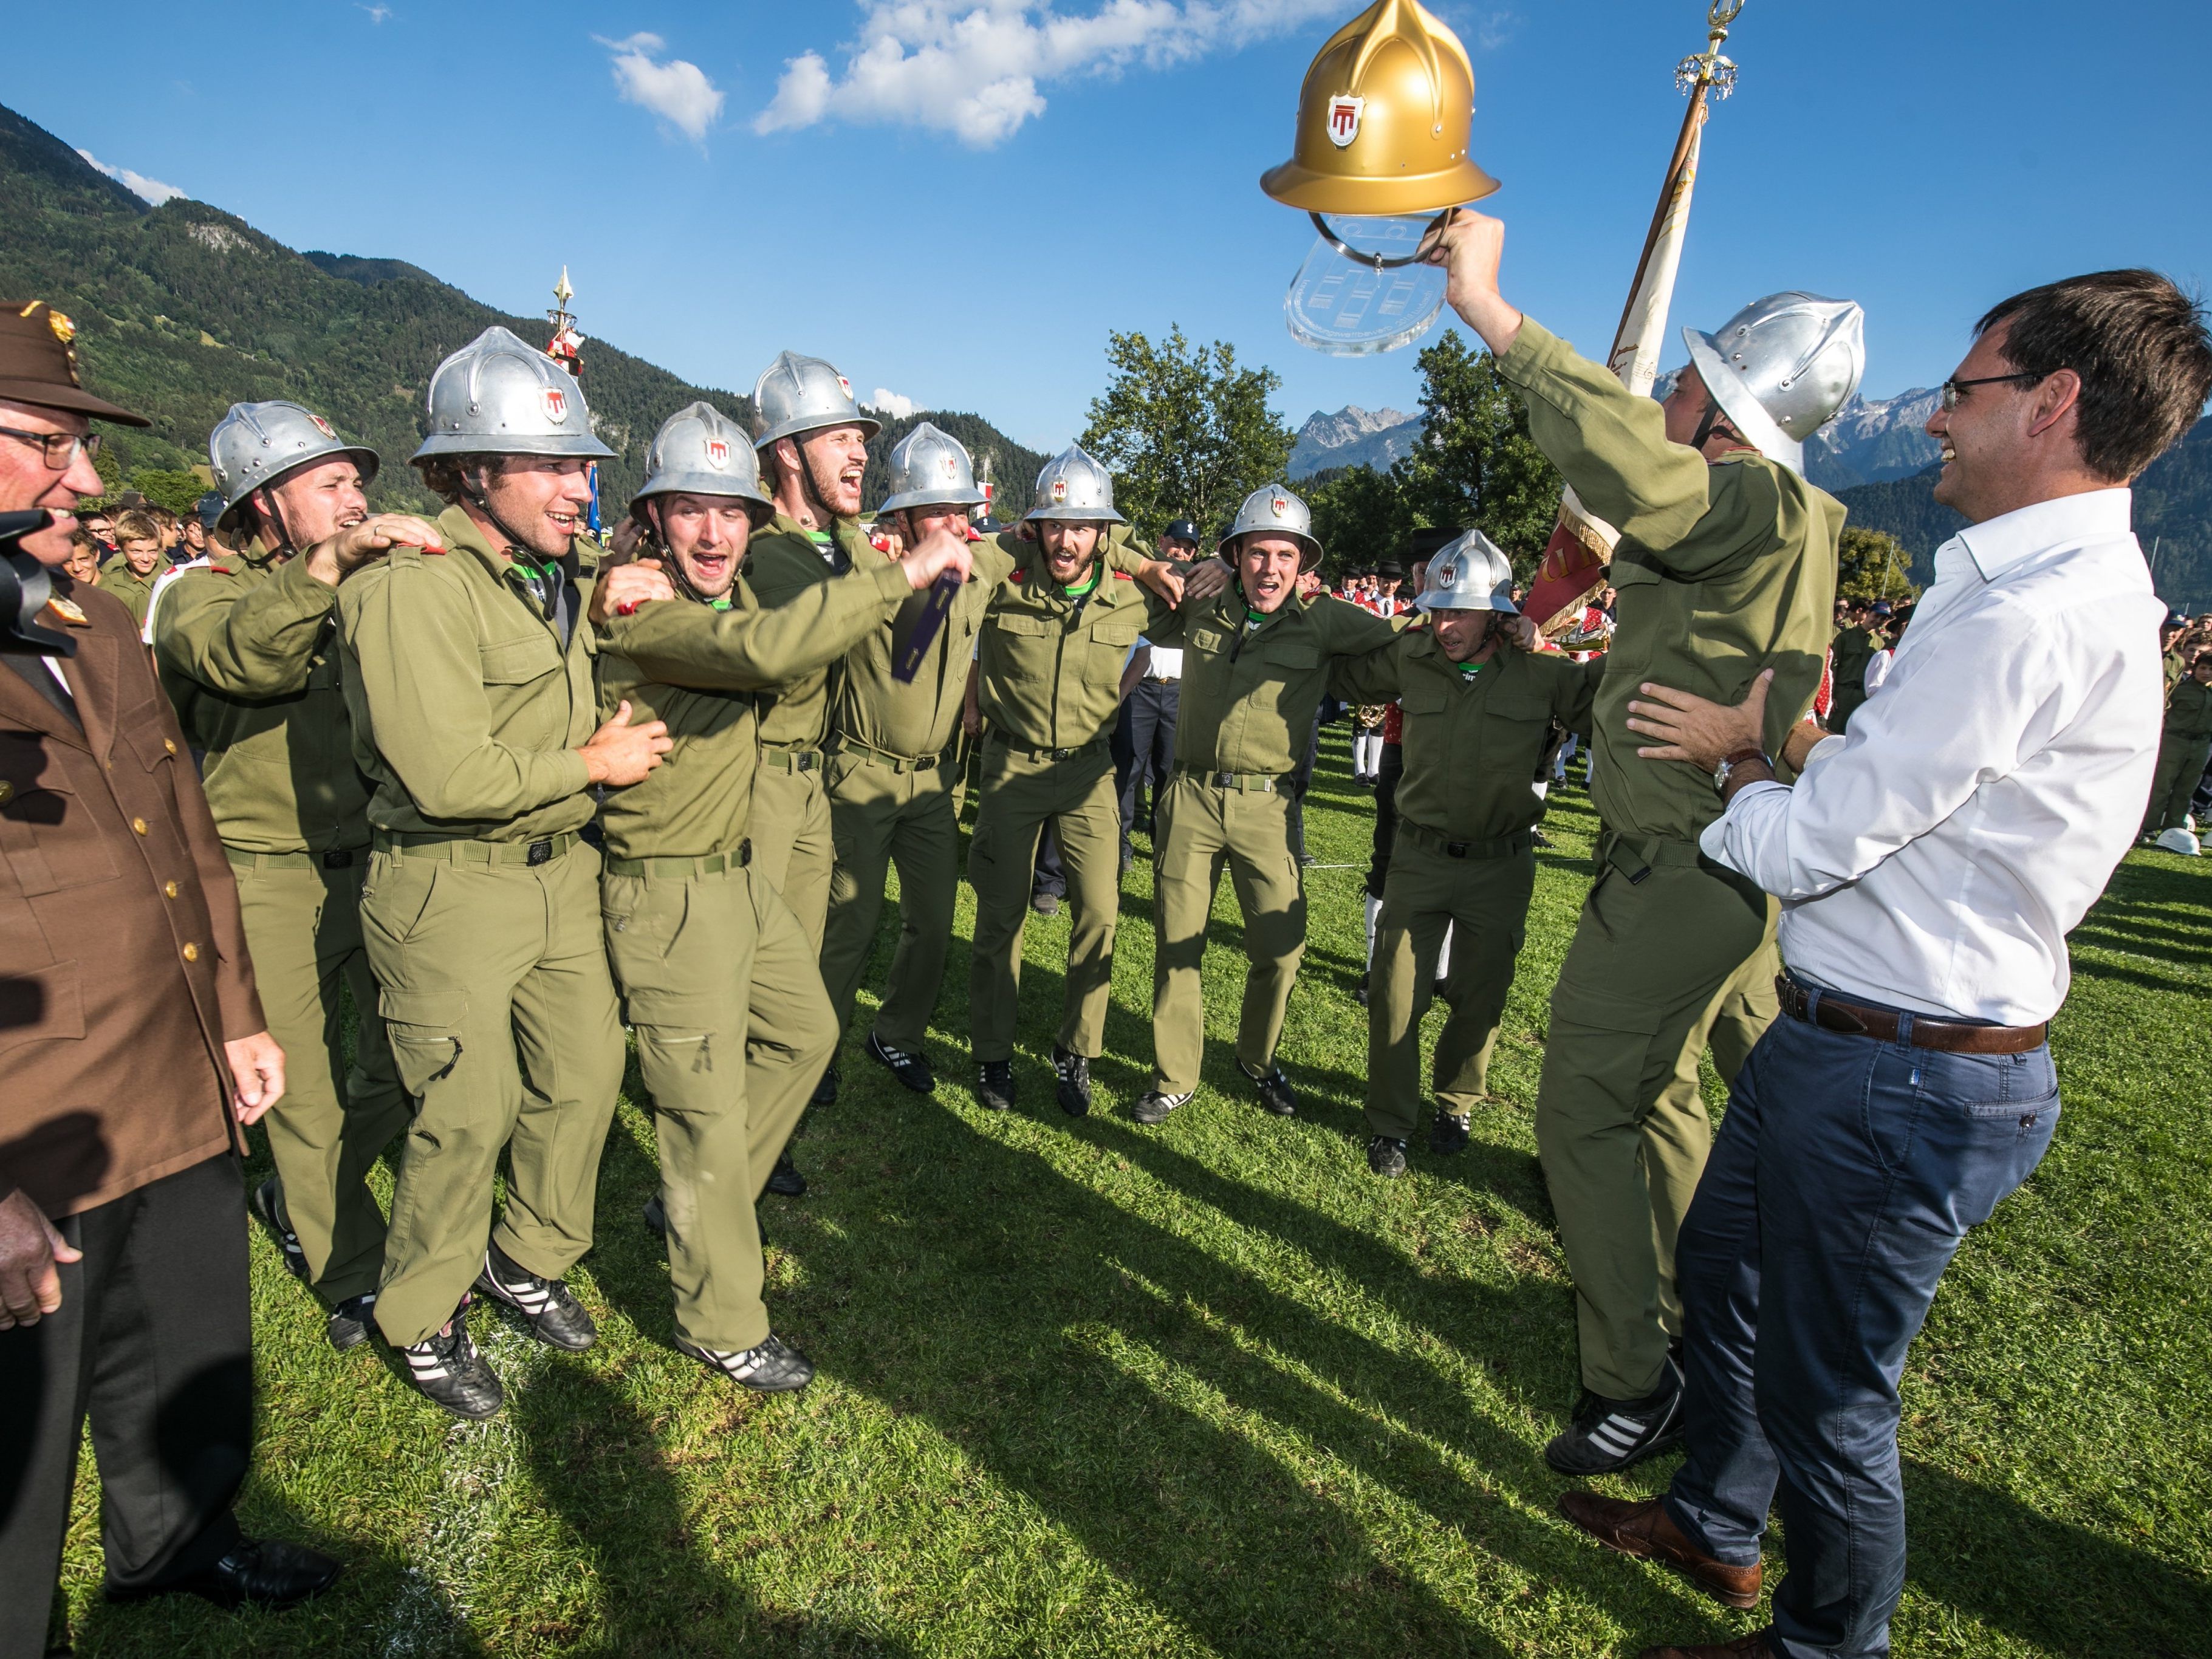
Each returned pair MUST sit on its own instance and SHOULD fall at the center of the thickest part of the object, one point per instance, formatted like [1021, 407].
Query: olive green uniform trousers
[1019, 789]
[1198, 824]
[303, 927]
[1662, 933]
[792, 844]
[481, 954]
[2181, 760]
[1482, 896]
[884, 811]
[732, 1031]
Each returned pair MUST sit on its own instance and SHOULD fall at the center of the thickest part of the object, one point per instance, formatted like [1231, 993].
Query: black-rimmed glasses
[1952, 388]
[60, 449]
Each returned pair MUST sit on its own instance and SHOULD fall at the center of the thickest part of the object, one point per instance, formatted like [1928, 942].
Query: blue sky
[962, 229]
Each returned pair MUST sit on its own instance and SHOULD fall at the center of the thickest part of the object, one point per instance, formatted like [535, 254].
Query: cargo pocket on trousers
[424, 1028]
[675, 1035]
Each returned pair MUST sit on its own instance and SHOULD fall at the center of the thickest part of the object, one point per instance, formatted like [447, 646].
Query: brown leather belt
[1950, 1037]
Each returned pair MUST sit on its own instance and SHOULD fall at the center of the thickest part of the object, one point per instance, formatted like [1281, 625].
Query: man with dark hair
[1931, 863]
[1855, 645]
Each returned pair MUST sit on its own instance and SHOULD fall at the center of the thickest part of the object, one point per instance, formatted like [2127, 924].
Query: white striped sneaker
[1609, 1435]
[774, 1367]
[554, 1315]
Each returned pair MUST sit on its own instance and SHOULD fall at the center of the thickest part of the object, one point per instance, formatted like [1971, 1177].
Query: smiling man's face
[707, 536]
[1267, 568]
[541, 498]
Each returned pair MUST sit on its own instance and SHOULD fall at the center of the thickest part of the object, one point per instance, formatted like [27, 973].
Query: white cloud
[136, 183]
[890, 403]
[972, 68]
[678, 91]
[376, 13]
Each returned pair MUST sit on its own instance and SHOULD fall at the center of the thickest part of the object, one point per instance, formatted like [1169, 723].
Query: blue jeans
[1844, 1177]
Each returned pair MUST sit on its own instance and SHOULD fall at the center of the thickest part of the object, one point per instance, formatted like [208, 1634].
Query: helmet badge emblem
[718, 453]
[1277, 506]
[1060, 489]
[845, 386]
[1447, 575]
[556, 403]
[952, 467]
[1344, 113]
[322, 425]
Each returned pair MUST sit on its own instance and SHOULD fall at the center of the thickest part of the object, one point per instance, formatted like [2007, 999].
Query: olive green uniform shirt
[701, 669]
[1473, 743]
[467, 710]
[2189, 709]
[1249, 691]
[1854, 649]
[135, 590]
[247, 650]
[783, 560]
[1051, 666]
[1722, 569]
[916, 719]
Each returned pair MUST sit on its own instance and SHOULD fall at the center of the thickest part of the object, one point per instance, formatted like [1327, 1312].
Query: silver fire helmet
[1470, 573]
[1272, 510]
[797, 394]
[256, 444]
[930, 468]
[1075, 488]
[700, 451]
[1781, 367]
[497, 395]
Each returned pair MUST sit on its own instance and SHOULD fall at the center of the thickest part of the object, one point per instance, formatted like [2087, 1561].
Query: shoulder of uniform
[1123, 576]
[1022, 575]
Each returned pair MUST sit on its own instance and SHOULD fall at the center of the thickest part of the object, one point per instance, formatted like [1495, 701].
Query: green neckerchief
[1088, 588]
[1254, 620]
[1469, 670]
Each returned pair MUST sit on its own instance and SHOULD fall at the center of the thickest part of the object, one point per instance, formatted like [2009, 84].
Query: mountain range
[183, 309]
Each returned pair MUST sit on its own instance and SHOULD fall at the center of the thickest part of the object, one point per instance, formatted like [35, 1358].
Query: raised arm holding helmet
[1476, 708]
[248, 649]
[1257, 660]
[1726, 567]
[467, 672]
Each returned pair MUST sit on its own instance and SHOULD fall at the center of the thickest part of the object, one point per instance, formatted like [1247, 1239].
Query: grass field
[1089, 1389]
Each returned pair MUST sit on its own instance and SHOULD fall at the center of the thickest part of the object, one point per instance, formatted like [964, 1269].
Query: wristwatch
[1730, 761]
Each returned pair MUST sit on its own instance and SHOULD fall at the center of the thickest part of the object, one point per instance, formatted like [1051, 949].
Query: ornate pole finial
[1708, 69]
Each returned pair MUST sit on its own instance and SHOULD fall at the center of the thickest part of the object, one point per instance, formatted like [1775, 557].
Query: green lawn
[1088, 1387]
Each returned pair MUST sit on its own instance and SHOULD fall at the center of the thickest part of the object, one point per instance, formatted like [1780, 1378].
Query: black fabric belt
[1637, 856]
[714, 863]
[1951, 1036]
[875, 757]
[792, 760]
[1161, 679]
[1497, 847]
[1248, 783]
[1092, 747]
[335, 858]
[544, 850]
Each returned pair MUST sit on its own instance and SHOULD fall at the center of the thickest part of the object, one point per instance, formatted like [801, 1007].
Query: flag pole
[1581, 547]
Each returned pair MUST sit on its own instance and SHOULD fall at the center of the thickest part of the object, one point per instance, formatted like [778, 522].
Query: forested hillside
[183, 310]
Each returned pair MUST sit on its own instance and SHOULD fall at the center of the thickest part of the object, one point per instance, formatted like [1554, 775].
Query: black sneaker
[784, 1180]
[446, 1368]
[656, 1215]
[1449, 1133]
[825, 1091]
[1275, 1092]
[994, 1086]
[1075, 1073]
[1538, 838]
[1610, 1435]
[771, 1368]
[913, 1069]
[1386, 1157]
[1362, 992]
[1155, 1106]
[269, 1205]
[1045, 904]
[553, 1314]
[350, 1320]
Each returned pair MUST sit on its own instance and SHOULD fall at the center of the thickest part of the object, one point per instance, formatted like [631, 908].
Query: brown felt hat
[37, 362]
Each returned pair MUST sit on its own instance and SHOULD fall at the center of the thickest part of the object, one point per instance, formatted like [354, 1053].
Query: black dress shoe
[1538, 838]
[825, 1091]
[1155, 1106]
[1449, 1133]
[1045, 904]
[785, 1181]
[269, 1205]
[656, 1215]
[774, 1367]
[1362, 992]
[263, 1571]
[912, 1070]
[1275, 1092]
[552, 1312]
[1073, 1071]
[349, 1323]
[994, 1086]
[448, 1372]
[1386, 1157]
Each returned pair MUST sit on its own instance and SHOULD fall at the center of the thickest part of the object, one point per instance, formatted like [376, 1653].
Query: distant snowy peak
[1353, 437]
[1871, 442]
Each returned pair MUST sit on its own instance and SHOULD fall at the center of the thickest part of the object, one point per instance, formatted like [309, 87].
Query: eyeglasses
[61, 449]
[1952, 388]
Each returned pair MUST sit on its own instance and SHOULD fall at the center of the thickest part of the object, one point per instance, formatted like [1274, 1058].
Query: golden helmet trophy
[1384, 121]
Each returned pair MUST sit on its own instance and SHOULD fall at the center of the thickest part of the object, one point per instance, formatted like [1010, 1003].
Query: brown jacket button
[169, 889]
[169, 745]
[139, 824]
[7, 791]
[192, 953]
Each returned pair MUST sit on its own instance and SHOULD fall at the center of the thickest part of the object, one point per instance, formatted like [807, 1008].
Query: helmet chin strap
[678, 578]
[274, 515]
[1714, 420]
[478, 494]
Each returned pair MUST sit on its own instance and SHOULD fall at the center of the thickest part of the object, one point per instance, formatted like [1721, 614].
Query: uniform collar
[1995, 545]
[463, 535]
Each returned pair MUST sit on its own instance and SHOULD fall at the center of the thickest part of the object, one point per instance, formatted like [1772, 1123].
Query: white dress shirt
[1937, 855]
[1166, 661]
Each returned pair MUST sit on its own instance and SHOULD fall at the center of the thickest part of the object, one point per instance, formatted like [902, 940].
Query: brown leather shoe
[1744, 1647]
[1645, 1530]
